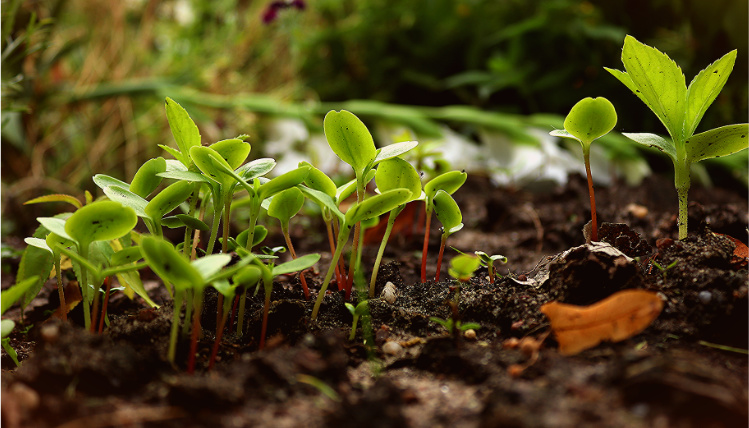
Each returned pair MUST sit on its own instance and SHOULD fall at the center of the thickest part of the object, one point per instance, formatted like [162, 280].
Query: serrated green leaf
[168, 199]
[55, 198]
[100, 221]
[184, 130]
[286, 204]
[655, 141]
[661, 83]
[349, 139]
[14, 293]
[590, 119]
[296, 265]
[447, 210]
[717, 142]
[146, 179]
[704, 88]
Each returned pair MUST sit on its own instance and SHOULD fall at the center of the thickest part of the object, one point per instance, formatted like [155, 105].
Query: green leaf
[184, 130]
[256, 168]
[248, 276]
[704, 88]
[659, 81]
[449, 182]
[55, 198]
[318, 180]
[14, 293]
[209, 265]
[211, 163]
[170, 265]
[125, 256]
[127, 198]
[447, 210]
[104, 181]
[655, 141]
[286, 204]
[396, 173]
[176, 154]
[54, 225]
[393, 150]
[38, 243]
[296, 265]
[349, 139]
[234, 151]
[146, 179]
[226, 289]
[377, 205]
[717, 142]
[100, 221]
[193, 222]
[282, 182]
[168, 199]
[590, 118]
[186, 176]
[463, 266]
[6, 327]
[322, 199]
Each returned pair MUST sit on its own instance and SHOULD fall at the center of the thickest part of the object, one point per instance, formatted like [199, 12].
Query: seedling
[449, 182]
[369, 208]
[488, 261]
[228, 291]
[8, 298]
[589, 119]
[351, 141]
[393, 173]
[361, 309]
[664, 269]
[448, 213]
[453, 326]
[660, 84]
[284, 206]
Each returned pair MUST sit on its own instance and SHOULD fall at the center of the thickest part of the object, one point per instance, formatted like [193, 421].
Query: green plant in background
[362, 308]
[589, 119]
[487, 261]
[393, 173]
[448, 213]
[461, 268]
[448, 182]
[660, 84]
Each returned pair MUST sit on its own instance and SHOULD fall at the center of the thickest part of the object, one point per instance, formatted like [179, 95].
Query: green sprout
[356, 312]
[489, 261]
[453, 326]
[589, 119]
[284, 206]
[393, 173]
[448, 213]
[450, 182]
[656, 80]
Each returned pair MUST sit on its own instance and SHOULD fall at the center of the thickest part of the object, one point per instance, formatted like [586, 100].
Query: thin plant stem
[242, 304]
[198, 309]
[104, 305]
[84, 290]
[427, 225]
[388, 230]
[287, 237]
[60, 288]
[178, 298]
[95, 311]
[219, 334]
[682, 182]
[328, 276]
[188, 311]
[331, 241]
[594, 222]
[266, 309]
[214, 231]
[439, 257]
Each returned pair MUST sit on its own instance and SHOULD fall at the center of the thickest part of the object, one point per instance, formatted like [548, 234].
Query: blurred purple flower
[271, 12]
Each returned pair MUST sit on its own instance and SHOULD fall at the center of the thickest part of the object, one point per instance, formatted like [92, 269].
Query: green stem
[242, 305]
[188, 311]
[391, 221]
[682, 181]
[214, 230]
[342, 237]
[198, 309]
[84, 289]
[266, 309]
[427, 225]
[60, 288]
[178, 298]
[353, 328]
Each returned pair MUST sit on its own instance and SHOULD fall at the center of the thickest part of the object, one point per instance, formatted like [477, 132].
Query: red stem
[439, 258]
[194, 336]
[594, 223]
[234, 310]
[426, 246]
[104, 306]
[331, 241]
[219, 334]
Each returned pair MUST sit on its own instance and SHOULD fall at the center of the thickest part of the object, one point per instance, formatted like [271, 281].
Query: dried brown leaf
[615, 318]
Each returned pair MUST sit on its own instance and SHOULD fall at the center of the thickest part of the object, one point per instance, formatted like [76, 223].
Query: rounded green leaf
[127, 198]
[396, 173]
[296, 265]
[234, 151]
[590, 118]
[126, 255]
[169, 264]
[463, 266]
[282, 182]
[6, 326]
[146, 179]
[377, 205]
[209, 162]
[248, 276]
[211, 264]
[447, 210]
[286, 204]
[349, 139]
[168, 199]
[449, 182]
[318, 180]
[100, 221]
[257, 168]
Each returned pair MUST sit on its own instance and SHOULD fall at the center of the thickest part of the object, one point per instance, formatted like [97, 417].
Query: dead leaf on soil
[740, 254]
[615, 318]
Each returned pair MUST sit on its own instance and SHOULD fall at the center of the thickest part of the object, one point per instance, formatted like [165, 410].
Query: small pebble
[705, 297]
[392, 348]
[50, 332]
[389, 293]
[470, 334]
[637, 211]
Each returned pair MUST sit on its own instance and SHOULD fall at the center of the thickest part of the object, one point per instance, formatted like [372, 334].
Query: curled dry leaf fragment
[618, 317]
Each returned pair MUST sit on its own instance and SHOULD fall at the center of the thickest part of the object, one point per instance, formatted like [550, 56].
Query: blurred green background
[83, 82]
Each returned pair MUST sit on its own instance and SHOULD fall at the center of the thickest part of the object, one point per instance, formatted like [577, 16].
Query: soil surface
[410, 372]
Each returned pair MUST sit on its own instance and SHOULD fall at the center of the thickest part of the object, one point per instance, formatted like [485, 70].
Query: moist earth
[687, 369]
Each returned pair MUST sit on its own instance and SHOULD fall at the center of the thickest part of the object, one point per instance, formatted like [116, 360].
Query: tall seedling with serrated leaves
[660, 84]
[589, 119]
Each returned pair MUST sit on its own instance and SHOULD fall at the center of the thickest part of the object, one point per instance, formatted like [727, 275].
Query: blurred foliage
[84, 81]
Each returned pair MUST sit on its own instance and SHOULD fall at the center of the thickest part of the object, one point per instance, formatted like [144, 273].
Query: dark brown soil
[672, 374]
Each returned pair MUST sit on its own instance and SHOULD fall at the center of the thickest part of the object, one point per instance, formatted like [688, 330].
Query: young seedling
[487, 261]
[351, 141]
[660, 84]
[369, 208]
[589, 119]
[449, 182]
[448, 213]
[50, 244]
[284, 206]
[356, 312]
[8, 298]
[453, 326]
[228, 291]
[393, 173]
